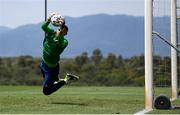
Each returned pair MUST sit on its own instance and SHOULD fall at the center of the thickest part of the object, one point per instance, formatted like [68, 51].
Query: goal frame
[148, 43]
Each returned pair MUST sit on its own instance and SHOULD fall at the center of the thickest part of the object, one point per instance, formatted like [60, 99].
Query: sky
[14, 13]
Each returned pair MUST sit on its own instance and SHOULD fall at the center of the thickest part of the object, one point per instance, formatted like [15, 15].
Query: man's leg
[49, 89]
[50, 75]
[55, 85]
[51, 80]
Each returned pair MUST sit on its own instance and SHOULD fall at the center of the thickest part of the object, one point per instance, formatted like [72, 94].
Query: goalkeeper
[53, 45]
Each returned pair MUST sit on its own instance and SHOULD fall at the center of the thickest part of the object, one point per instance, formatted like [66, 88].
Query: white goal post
[174, 80]
[148, 19]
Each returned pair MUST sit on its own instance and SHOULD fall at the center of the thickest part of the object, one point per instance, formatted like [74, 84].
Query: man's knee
[46, 91]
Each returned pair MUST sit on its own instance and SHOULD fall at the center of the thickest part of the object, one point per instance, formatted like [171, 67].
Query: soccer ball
[57, 20]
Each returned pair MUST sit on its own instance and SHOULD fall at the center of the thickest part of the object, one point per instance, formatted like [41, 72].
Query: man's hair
[64, 26]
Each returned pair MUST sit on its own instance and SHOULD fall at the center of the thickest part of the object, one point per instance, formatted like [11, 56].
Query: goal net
[161, 51]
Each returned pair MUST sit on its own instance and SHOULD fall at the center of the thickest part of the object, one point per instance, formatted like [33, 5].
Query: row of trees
[96, 70]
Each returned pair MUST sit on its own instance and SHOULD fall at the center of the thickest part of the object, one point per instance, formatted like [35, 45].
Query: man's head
[63, 29]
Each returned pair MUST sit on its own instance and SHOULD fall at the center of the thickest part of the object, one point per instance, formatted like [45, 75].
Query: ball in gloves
[57, 20]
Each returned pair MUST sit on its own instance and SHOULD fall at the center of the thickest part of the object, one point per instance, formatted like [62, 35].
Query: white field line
[142, 112]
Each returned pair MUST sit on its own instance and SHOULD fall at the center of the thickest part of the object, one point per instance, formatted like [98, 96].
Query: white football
[57, 20]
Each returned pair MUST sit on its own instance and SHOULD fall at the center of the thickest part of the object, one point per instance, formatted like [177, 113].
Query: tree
[82, 59]
[111, 60]
[97, 56]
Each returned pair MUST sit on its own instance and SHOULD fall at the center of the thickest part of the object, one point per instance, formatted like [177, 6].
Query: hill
[4, 29]
[120, 34]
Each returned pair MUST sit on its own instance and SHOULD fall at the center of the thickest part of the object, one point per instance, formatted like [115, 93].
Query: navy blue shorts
[50, 75]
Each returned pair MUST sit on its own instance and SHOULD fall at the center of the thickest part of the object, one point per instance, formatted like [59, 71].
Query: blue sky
[14, 13]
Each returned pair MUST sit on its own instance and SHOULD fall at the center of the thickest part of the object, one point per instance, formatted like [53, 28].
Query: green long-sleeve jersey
[53, 46]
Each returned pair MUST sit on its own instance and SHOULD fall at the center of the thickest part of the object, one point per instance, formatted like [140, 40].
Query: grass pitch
[76, 100]
[71, 100]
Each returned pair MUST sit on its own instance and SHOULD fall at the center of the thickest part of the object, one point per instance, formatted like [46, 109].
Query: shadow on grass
[176, 107]
[70, 103]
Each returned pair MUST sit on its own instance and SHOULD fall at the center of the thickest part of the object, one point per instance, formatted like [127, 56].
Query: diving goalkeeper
[53, 45]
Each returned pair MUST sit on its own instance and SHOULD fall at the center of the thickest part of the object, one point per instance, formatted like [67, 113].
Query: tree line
[95, 70]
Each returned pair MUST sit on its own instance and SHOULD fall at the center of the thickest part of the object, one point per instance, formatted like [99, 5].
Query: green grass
[76, 100]
[71, 100]
[167, 92]
[171, 111]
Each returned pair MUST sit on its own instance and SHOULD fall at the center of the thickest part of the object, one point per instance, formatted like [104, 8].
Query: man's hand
[51, 15]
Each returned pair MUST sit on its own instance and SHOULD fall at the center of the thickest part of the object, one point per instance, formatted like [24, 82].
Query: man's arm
[45, 26]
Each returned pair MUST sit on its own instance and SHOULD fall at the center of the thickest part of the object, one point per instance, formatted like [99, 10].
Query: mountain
[4, 29]
[119, 34]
